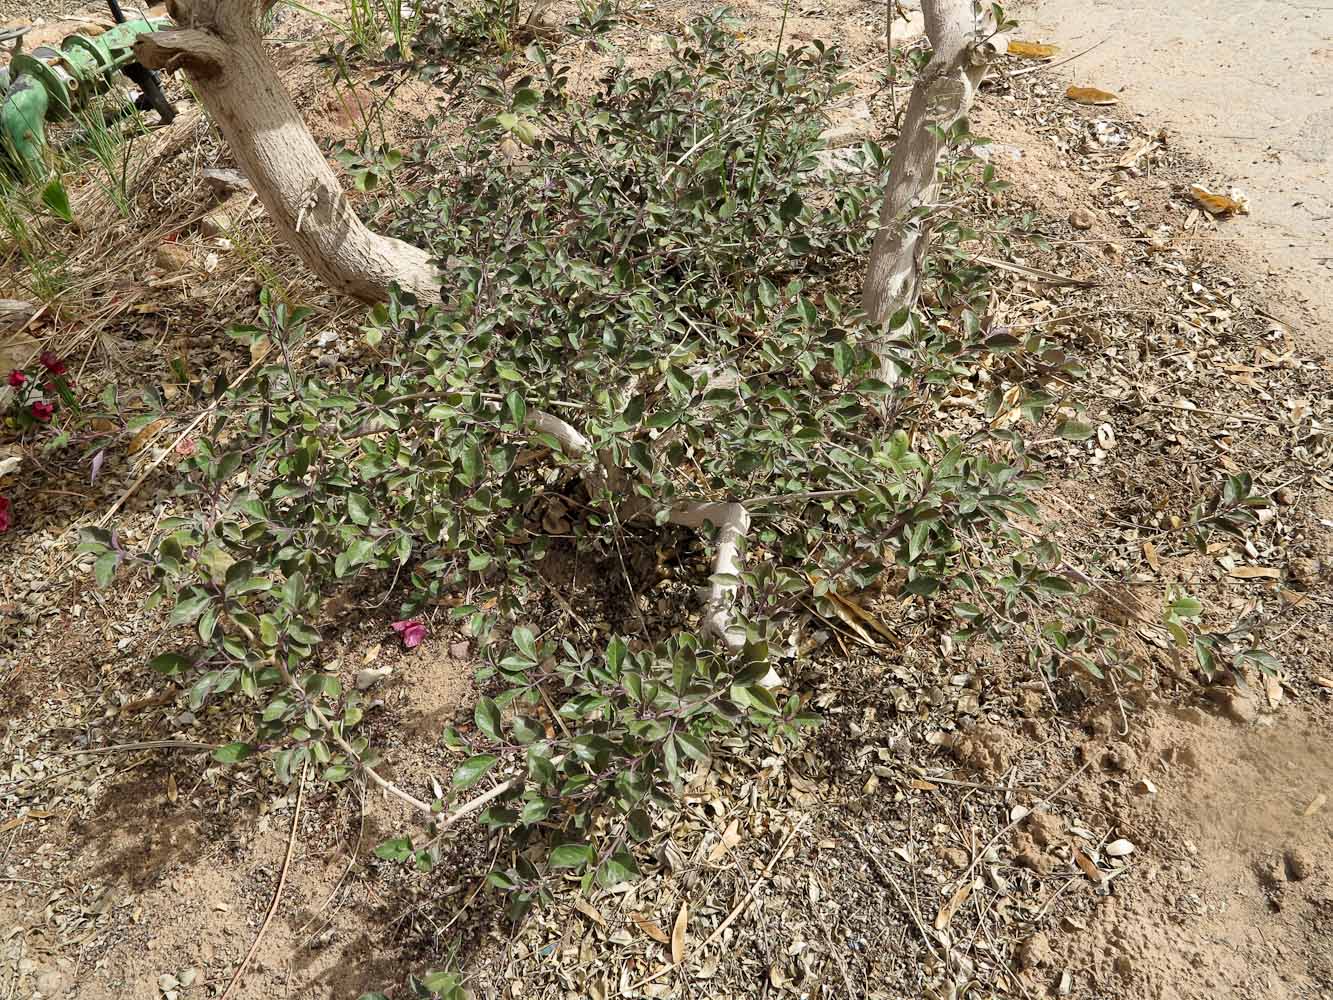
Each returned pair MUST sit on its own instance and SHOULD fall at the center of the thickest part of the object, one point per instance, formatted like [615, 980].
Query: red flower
[42, 411]
[17, 378]
[6, 517]
[412, 631]
[52, 363]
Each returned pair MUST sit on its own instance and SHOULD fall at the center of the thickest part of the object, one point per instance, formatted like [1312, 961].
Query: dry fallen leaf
[1315, 805]
[952, 906]
[678, 934]
[730, 838]
[1255, 573]
[173, 793]
[1032, 50]
[1150, 553]
[650, 928]
[851, 614]
[146, 434]
[1273, 688]
[1091, 95]
[1233, 202]
[1089, 869]
[590, 911]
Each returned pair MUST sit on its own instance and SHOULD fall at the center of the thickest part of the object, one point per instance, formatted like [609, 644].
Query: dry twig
[277, 893]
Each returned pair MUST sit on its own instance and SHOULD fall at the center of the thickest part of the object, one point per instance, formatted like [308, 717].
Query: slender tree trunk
[220, 45]
[940, 97]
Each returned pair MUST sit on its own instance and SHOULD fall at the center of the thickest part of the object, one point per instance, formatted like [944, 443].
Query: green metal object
[47, 84]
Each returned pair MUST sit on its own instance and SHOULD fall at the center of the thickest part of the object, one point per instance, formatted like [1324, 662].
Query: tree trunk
[940, 97]
[220, 46]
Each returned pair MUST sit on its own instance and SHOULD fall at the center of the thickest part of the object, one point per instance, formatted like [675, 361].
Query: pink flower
[412, 631]
[42, 411]
[52, 363]
[17, 378]
[6, 517]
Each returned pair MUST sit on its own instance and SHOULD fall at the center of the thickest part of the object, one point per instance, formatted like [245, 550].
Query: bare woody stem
[942, 95]
[375, 778]
[221, 48]
[731, 519]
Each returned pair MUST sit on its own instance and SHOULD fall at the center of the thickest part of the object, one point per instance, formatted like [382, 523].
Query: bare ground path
[1247, 85]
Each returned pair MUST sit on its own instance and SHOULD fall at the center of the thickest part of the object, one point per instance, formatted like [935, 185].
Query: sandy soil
[130, 869]
[1245, 84]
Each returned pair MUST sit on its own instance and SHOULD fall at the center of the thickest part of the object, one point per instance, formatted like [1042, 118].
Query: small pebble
[1081, 218]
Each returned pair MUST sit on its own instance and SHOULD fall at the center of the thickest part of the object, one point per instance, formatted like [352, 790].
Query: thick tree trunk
[220, 46]
[941, 96]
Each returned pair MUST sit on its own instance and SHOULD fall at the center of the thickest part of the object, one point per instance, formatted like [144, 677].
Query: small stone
[852, 124]
[224, 182]
[1035, 952]
[1121, 756]
[1285, 496]
[1047, 829]
[460, 650]
[368, 678]
[954, 857]
[14, 313]
[1124, 968]
[1303, 574]
[215, 224]
[1299, 862]
[172, 257]
[832, 163]
[1081, 218]
[51, 983]
[1119, 848]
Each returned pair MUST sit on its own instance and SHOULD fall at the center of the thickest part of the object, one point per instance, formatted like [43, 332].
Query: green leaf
[791, 207]
[105, 568]
[571, 856]
[1075, 430]
[1186, 607]
[615, 654]
[170, 664]
[620, 867]
[526, 730]
[56, 199]
[526, 642]
[232, 753]
[397, 849]
[190, 608]
[487, 717]
[358, 509]
[471, 770]
[518, 408]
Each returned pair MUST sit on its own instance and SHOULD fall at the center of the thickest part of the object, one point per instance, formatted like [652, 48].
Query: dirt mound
[1236, 896]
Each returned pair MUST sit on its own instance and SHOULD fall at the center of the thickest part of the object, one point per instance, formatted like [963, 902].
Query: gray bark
[221, 48]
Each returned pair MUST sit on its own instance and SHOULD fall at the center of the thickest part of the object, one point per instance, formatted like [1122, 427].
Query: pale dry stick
[146, 745]
[277, 893]
[1067, 59]
[842, 966]
[736, 911]
[399, 793]
[888, 877]
[134, 486]
[351, 860]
